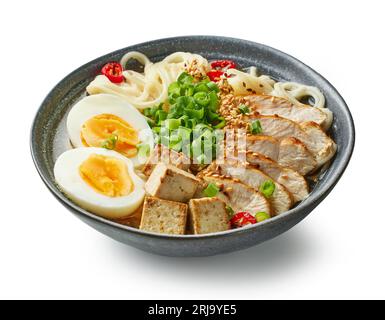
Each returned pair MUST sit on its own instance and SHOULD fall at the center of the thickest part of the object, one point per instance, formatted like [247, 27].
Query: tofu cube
[170, 183]
[207, 215]
[166, 156]
[163, 216]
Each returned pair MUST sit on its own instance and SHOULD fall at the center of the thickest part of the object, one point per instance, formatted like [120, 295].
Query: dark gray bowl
[49, 139]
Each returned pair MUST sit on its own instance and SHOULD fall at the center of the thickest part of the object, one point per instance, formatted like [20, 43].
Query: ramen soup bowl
[49, 139]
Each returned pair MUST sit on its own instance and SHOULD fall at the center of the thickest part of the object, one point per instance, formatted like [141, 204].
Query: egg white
[67, 175]
[94, 105]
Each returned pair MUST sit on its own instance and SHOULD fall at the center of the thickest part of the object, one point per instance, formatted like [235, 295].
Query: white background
[337, 252]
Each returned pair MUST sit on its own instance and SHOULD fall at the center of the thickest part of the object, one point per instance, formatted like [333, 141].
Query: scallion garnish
[230, 211]
[202, 98]
[244, 109]
[185, 78]
[256, 127]
[110, 143]
[172, 124]
[260, 216]
[212, 86]
[191, 118]
[211, 190]
[143, 149]
[267, 188]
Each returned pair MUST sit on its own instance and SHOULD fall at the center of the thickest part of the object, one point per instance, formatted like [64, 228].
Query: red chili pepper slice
[113, 71]
[223, 64]
[242, 219]
[218, 69]
[215, 75]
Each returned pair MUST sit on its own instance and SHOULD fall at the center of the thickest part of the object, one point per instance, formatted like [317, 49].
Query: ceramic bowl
[49, 139]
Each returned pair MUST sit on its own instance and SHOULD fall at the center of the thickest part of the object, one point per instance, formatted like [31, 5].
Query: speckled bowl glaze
[49, 139]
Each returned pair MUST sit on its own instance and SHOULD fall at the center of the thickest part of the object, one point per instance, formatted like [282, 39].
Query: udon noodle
[149, 88]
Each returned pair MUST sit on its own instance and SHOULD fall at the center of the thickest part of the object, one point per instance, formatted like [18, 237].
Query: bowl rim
[313, 198]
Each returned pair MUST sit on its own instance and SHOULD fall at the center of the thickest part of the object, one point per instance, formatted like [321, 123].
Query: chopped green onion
[188, 90]
[110, 143]
[150, 122]
[260, 216]
[195, 114]
[160, 115]
[147, 112]
[196, 147]
[230, 211]
[184, 133]
[212, 86]
[202, 98]
[202, 87]
[185, 78]
[172, 97]
[175, 142]
[174, 88]
[256, 127]
[172, 124]
[184, 120]
[156, 129]
[182, 103]
[214, 102]
[267, 188]
[190, 119]
[212, 116]
[207, 134]
[143, 150]
[221, 124]
[200, 128]
[244, 109]
[211, 190]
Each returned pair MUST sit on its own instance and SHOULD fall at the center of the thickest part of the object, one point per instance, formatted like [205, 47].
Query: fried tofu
[166, 156]
[207, 215]
[133, 220]
[163, 216]
[170, 183]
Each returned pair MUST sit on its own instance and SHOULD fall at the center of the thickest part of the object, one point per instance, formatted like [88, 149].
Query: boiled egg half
[100, 180]
[108, 121]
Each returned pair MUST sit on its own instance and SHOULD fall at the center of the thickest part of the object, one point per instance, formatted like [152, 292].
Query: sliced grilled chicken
[239, 196]
[269, 105]
[281, 200]
[290, 179]
[319, 138]
[310, 134]
[294, 155]
[290, 152]
[265, 145]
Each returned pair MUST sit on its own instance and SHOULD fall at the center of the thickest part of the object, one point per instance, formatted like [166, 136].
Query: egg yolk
[106, 175]
[99, 130]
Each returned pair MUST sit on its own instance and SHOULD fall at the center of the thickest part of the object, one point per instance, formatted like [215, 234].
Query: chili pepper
[113, 71]
[241, 219]
[218, 69]
[215, 75]
[223, 64]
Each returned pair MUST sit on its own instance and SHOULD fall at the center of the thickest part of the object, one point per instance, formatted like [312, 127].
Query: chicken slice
[265, 145]
[290, 179]
[239, 196]
[294, 155]
[290, 152]
[270, 105]
[281, 200]
[310, 134]
[320, 138]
